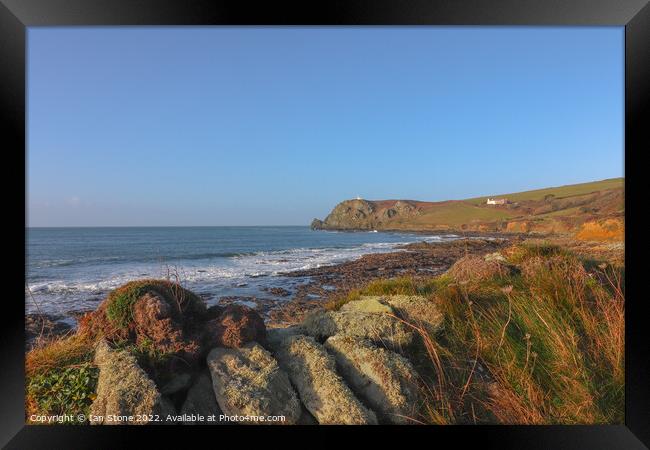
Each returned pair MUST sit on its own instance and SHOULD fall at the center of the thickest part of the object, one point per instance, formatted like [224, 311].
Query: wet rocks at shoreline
[422, 259]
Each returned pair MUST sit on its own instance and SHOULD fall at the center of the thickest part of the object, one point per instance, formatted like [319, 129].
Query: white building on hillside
[497, 201]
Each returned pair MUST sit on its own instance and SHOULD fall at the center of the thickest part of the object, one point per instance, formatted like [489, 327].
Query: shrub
[120, 302]
[67, 390]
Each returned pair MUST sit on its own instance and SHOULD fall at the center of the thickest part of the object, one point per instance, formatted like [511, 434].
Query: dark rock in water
[317, 224]
[280, 292]
[236, 326]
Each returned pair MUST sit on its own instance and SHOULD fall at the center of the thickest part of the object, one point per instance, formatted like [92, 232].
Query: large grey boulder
[124, 389]
[384, 379]
[313, 372]
[247, 381]
[201, 402]
[415, 309]
[381, 328]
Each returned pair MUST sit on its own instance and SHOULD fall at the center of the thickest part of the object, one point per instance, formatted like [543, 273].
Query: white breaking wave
[241, 274]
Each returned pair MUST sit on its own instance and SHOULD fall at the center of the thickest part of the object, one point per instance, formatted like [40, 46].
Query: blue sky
[274, 126]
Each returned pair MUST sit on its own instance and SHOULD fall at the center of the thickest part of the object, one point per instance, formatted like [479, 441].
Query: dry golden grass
[607, 230]
[543, 344]
[63, 352]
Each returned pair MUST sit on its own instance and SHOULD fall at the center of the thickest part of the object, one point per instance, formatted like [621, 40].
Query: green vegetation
[457, 213]
[119, 309]
[68, 390]
[541, 343]
[392, 286]
[151, 358]
[60, 374]
[60, 377]
[557, 192]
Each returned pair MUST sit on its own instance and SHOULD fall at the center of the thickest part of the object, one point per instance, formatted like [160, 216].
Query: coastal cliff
[593, 208]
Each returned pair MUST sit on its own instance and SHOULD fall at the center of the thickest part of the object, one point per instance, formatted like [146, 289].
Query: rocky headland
[585, 210]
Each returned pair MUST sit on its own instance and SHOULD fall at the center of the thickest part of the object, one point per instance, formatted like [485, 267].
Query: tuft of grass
[546, 348]
[67, 351]
[531, 249]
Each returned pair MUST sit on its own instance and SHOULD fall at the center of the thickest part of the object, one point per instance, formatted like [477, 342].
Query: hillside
[594, 208]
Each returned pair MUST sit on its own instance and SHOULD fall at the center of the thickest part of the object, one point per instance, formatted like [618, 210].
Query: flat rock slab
[201, 403]
[414, 309]
[247, 381]
[384, 379]
[313, 372]
[370, 304]
[377, 327]
[124, 389]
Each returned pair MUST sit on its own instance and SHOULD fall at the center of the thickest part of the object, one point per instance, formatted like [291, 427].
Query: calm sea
[73, 268]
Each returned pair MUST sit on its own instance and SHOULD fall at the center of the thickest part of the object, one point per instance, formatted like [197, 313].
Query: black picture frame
[634, 15]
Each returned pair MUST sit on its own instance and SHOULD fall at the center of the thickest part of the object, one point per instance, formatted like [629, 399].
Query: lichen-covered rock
[384, 379]
[380, 328]
[313, 372]
[415, 309]
[496, 256]
[248, 382]
[369, 304]
[201, 401]
[124, 389]
[235, 326]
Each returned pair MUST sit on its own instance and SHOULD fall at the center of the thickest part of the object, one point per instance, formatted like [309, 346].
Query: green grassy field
[559, 192]
[575, 202]
[458, 213]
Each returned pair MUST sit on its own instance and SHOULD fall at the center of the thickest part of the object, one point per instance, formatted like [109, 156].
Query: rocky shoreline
[283, 307]
[385, 339]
